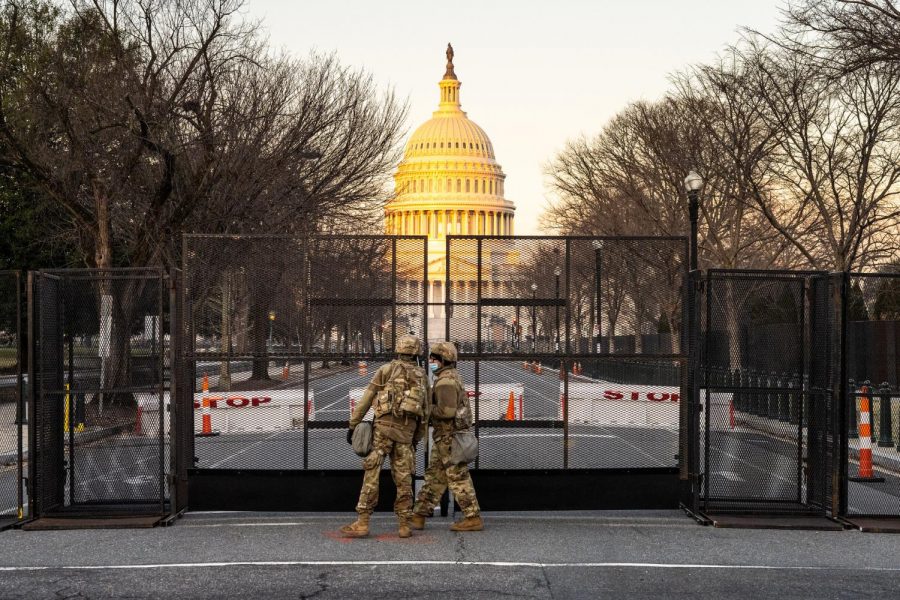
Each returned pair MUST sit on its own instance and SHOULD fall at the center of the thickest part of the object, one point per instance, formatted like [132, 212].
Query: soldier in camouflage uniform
[399, 390]
[449, 413]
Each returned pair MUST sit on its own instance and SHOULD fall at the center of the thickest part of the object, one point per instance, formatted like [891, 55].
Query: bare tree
[837, 163]
[859, 34]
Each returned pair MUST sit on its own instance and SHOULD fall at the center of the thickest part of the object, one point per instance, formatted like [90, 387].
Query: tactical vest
[462, 418]
[399, 405]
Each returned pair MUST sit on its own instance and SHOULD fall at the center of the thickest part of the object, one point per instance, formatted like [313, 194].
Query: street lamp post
[598, 273]
[517, 328]
[533, 316]
[557, 271]
[271, 323]
[692, 183]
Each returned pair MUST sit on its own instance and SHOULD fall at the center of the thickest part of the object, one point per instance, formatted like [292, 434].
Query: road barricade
[721, 411]
[254, 411]
[355, 396]
[147, 417]
[621, 404]
[492, 404]
[493, 400]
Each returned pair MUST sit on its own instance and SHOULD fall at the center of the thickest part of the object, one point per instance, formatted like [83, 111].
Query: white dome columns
[439, 223]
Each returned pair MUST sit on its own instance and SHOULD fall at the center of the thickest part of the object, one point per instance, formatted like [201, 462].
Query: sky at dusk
[534, 74]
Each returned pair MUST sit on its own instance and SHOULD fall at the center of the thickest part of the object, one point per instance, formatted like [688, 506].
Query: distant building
[449, 183]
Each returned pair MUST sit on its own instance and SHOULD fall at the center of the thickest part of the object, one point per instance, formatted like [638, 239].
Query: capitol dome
[449, 182]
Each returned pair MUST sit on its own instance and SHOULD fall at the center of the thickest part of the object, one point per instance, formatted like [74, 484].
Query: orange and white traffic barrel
[866, 472]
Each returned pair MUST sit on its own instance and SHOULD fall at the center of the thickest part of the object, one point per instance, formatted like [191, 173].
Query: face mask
[434, 367]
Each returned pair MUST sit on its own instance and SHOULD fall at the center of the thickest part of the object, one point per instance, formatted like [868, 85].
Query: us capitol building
[449, 183]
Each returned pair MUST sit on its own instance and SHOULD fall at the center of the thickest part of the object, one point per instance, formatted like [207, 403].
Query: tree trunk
[225, 366]
[259, 322]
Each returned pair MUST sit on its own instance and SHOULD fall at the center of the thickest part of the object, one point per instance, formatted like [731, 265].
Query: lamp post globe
[692, 184]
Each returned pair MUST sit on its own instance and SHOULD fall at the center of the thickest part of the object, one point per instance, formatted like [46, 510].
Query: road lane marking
[534, 435]
[450, 563]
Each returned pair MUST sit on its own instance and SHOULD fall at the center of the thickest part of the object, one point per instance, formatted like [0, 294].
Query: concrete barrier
[603, 403]
[721, 411]
[492, 404]
[493, 400]
[254, 411]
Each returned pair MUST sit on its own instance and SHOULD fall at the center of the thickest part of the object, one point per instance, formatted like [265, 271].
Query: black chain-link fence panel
[12, 408]
[571, 348]
[283, 336]
[565, 295]
[101, 418]
[872, 308]
[765, 370]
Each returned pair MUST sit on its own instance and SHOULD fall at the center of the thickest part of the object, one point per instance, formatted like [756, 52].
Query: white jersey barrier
[602, 403]
[721, 411]
[493, 401]
[356, 395]
[254, 411]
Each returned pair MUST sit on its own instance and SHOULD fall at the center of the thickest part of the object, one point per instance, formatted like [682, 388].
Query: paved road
[650, 554]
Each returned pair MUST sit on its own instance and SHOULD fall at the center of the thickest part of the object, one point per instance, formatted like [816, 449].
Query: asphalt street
[564, 555]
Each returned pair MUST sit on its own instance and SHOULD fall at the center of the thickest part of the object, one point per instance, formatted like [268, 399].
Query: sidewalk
[615, 554]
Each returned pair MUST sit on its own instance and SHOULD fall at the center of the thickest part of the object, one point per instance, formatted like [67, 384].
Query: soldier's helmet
[445, 350]
[409, 344]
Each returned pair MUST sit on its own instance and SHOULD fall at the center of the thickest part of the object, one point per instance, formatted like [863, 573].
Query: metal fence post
[772, 408]
[885, 440]
[793, 400]
[784, 400]
[852, 429]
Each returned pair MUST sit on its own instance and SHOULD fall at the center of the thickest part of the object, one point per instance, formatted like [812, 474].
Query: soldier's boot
[358, 528]
[468, 524]
[417, 521]
[403, 528]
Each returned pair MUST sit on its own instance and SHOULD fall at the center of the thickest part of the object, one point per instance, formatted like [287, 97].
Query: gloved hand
[349, 436]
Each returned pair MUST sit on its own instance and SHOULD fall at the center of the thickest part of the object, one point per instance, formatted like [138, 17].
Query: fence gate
[571, 348]
[282, 335]
[98, 422]
[12, 408]
[766, 392]
[870, 437]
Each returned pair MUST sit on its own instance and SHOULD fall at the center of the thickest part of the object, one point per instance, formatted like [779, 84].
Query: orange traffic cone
[511, 407]
[363, 368]
[538, 368]
[285, 372]
[206, 420]
[526, 366]
[866, 473]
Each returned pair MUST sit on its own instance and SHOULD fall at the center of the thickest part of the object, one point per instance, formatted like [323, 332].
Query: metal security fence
[571, 348]
[282, 336]
[13, 503]
[870, 442]
[99, 421]
[766, 392]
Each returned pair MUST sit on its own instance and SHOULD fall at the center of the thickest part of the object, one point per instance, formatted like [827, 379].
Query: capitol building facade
[448, 183]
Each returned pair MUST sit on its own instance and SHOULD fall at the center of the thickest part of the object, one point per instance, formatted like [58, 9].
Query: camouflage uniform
[393, 437]
[447, 393]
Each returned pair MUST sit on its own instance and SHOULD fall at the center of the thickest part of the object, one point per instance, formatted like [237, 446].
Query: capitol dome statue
[448, 183]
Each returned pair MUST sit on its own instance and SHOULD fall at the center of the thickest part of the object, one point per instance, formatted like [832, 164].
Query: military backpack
[403, 394]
